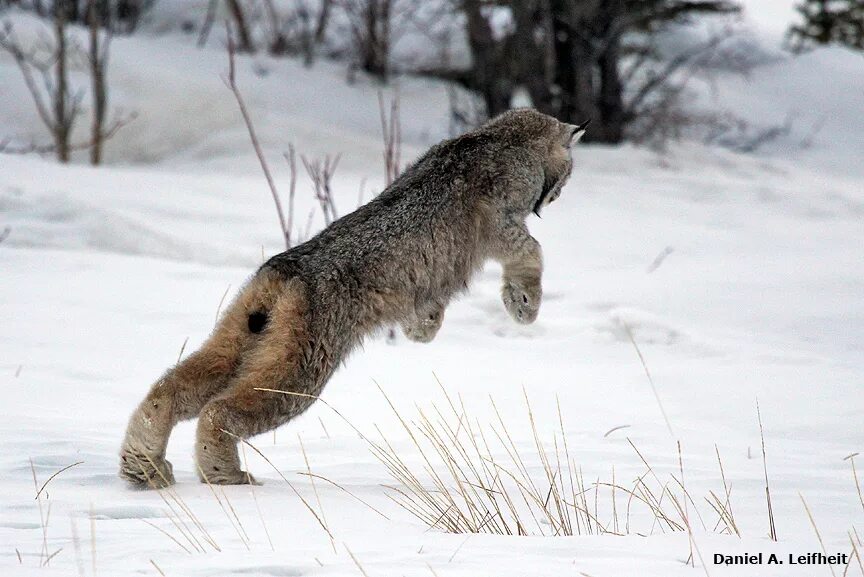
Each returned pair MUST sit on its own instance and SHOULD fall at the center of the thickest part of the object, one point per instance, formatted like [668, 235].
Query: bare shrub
[370, 24]
[391, 135]
[321, 172]
[57, 102]
[300, 31]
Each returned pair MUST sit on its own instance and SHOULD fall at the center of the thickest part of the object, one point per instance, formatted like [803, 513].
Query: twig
[52, 555]
[816, 529]
[459, 548]
[613, 429]
[167, 534]
[851, 459]
[854, 550]
[356, 562]
[658, 260]
[92, 540]
[291, 157]
[771, 527]
[232, 85]
[291, 486]
[255, 499]
[221, 301]
[321, 173]
[34, 148]
[326, 433]
[76, 542]
[314, 488]
[338, 486]
[66, 468]
[648, 374]
[242, 534]
[42, 519]
[182, 348]
[391, 133]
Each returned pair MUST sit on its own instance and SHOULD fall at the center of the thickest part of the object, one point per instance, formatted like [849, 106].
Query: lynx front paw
[145, 471]
[522, 300]
[425, 329]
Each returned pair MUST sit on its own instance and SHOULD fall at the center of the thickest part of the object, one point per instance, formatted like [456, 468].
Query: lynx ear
[575, 132]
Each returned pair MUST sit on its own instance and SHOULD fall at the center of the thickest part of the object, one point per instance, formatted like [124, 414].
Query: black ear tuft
[578, 131]
[257, 321]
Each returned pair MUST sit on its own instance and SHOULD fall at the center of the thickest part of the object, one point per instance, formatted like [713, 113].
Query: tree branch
[232, 85]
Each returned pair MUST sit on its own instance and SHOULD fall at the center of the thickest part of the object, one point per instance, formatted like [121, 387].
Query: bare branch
[232, 85]
[26, 62]
[6, 146]
[391, 133]
[661, 78]
[321, 173]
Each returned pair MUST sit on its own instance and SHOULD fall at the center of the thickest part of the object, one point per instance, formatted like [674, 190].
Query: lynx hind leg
[425, 324]
[242, 411]
[184, 389]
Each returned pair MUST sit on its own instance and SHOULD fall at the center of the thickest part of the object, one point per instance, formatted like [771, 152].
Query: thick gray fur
[399, 259]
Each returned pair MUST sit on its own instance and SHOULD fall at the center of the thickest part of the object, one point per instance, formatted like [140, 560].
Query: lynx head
[548, 137]
[558, 162]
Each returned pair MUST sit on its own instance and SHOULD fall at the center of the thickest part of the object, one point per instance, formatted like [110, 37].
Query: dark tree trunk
[610, 97]
[534, 52]
[323, 21]
[488, 71]
[610, 103]
[574, 59]
[62, 120]
[98, 56]
[376, 46]
[244, 40]
[567, 54]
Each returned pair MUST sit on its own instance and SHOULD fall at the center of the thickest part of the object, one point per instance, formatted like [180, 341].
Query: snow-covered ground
[739, 277]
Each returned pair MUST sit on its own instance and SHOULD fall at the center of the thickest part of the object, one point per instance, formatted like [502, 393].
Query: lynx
[399, 259]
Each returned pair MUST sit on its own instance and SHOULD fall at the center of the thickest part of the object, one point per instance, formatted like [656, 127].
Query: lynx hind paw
[522, 300]
[145, 471]
[234, 478]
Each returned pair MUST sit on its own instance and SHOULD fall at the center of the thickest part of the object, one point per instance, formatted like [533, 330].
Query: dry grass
[851, 459]
[315, 489]
[181, 516]
[45, 484]
[648, 374]
[235, 521]
[476, 479]
[303, 500]
[816, 530]
[772, 528]
[44, 518]
[158, 569]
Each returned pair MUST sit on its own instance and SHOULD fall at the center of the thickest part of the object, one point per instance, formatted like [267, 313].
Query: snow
[107, 272]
